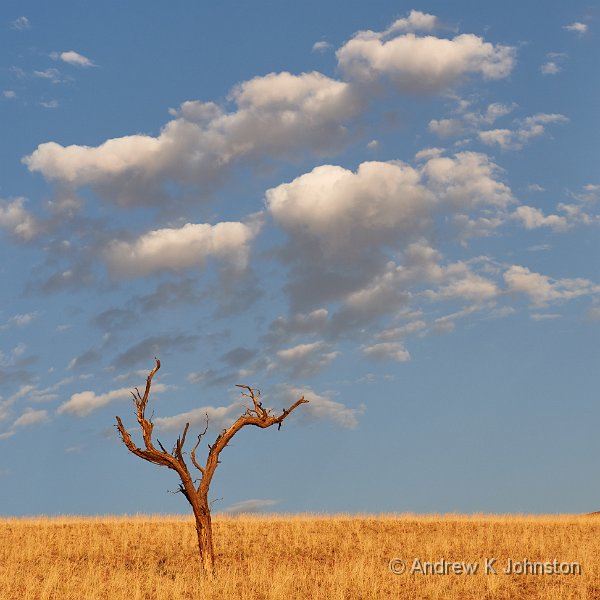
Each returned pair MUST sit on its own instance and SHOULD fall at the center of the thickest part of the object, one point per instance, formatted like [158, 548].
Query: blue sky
[389, 208]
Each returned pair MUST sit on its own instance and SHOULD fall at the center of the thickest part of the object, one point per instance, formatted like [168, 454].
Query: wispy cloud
[576, 27]
[250, 506]
[20, 24]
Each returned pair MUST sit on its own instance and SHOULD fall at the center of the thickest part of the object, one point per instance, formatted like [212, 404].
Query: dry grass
[292, 557]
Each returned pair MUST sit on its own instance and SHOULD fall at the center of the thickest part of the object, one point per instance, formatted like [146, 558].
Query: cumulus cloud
[415, 21]
[533, 218]
[576, 27]
[340, 222]
[73, 58]
[530, 127]
[342, 210]
[181, 248]
[424, 64]
[543, 290]
[279, 114]
[9, 94]
[18, 221]
[82, 404]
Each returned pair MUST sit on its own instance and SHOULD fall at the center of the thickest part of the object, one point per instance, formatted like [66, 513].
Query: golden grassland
[293, 557]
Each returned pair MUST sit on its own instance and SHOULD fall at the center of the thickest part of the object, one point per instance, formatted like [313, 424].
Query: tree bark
[205, 541]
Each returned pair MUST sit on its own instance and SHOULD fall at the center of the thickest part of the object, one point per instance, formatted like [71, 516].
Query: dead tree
[197, 493]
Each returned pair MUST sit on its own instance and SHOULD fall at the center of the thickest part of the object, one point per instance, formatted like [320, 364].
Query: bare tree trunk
[205, 538]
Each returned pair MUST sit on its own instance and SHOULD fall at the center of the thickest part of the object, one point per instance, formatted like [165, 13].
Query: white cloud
[82, 404]
[416, 21]
[9, 94]
[446, 127]
[50, 103]
[218, 417]
[401, 332]
[428, 153]
[20, 24]
[73, 58]
[279, 115]
[15, 219]
[31, 417]
[532, 218]
[387, 351]
[321, 46]
[342, 210]
[535, 187]
[182, 248]
[543, 290]
[53, 75]
[576, 27]
[304, 360]
[422, 64]
[550, 68]
[20, 320]
[589, 193]
[530, 127]
[320, 407]
[340, 224]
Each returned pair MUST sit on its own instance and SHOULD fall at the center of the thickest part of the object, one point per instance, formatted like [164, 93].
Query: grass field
[294, 557]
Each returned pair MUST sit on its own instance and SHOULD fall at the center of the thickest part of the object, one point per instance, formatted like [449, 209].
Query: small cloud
[250, 506]
[50, 73]
[73, 450]
[320, 407]
[535, 187]
[73, 58]
[218, 417]
[387, 351]
[550, 68]
[428, 153]
[9, 94]
[83, 403]
[445, 127]
[21, 320]
[20, 24]
[49, 103]
[576, 27]
[544, 316]
[373, 145]
[31, 417]
[321, 46]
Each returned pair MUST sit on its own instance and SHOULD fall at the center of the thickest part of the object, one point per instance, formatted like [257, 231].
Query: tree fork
[197, 496]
